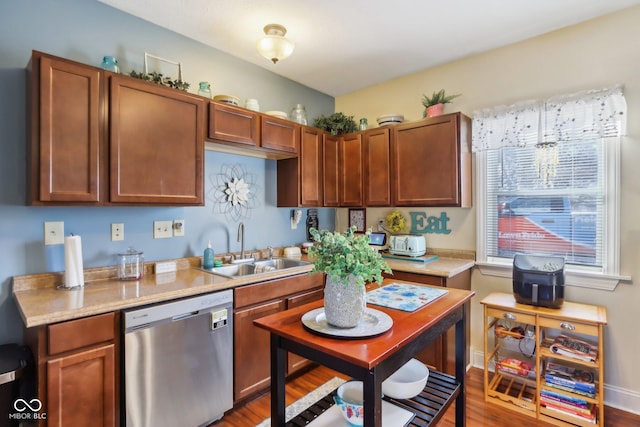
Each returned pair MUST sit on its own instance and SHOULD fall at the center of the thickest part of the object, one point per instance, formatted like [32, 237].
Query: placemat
[403, 296]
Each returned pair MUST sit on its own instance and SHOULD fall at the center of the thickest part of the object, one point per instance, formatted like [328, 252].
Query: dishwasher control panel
[219, 319]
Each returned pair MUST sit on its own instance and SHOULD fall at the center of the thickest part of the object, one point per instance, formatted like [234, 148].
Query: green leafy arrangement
[158, 78]
[438, 98]
[342, 254]
[336, 123]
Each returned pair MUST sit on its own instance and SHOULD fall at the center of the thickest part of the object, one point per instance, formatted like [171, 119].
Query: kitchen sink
[280, 263]
[255, 267]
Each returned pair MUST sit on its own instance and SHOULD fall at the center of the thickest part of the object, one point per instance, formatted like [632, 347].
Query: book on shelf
[573, 347]
[570, 377]
[571, 390]
[552, 396]
[590, 417]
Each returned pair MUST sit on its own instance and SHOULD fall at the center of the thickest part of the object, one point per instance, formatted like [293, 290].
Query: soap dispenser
[207, 260]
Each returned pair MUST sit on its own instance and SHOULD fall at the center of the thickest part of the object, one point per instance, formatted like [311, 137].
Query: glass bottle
[110, 63]
[363, 124]
[204, 89]
[299, 114]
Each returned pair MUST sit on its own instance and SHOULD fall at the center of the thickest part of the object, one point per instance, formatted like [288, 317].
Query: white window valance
[583, 116]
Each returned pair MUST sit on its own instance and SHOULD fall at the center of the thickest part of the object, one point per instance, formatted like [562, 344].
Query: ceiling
[343, 46]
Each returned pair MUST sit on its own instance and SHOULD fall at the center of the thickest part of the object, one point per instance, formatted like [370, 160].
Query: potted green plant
[349, 263]
[434, 104]
[336, 123]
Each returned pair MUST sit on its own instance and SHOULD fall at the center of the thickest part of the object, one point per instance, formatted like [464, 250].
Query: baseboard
[615, 397]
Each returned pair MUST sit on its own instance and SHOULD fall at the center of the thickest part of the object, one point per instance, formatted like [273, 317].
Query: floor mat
[305, 401]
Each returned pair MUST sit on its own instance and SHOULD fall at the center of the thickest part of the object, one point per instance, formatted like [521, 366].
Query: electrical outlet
[117, 232]
[162, 229]
[54, 233]
[178, 227]
[381, 224]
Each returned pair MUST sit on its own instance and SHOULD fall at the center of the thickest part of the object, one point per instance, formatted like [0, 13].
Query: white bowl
[388, 119]
[350, 401]
[406, 382]
[228, 99]
[278, 114]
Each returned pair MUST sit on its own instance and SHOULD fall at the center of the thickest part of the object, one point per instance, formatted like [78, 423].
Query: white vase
[344, 303]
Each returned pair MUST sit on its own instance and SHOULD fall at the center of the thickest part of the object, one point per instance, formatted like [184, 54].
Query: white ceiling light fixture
[274, 46]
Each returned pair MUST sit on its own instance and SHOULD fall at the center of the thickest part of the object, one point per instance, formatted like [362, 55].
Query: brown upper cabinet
[350, 172]
[230, 124]
[420, 163]
[377, 167]
[432, 162]
[98, 138]
[331, 169]
[241, 131]
[66, 131]
[300, 179]
[156, 144]
[279, 134]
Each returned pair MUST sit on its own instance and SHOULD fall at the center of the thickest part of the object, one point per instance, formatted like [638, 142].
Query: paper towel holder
[73, 276]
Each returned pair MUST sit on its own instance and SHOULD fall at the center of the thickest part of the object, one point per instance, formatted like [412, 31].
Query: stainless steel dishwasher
[178, 362]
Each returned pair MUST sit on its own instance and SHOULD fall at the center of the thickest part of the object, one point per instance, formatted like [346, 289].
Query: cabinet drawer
[511, 315]
[278, 288]
[569, 326]
[80, 333]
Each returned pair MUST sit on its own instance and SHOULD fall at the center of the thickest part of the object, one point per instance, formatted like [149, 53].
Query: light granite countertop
[41, 302]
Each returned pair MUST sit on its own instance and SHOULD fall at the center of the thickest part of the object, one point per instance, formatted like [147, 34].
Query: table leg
[461, 368]
[278, 366]
[372, 401]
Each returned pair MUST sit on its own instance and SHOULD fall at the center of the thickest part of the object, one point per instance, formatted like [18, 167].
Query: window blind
[561, 213]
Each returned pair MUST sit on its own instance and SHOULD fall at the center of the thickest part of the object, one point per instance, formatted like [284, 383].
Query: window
[547, 180]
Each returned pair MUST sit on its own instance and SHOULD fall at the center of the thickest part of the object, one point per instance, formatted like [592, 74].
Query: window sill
[581, 279]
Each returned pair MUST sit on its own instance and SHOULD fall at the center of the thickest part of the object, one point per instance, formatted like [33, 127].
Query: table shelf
[428, 407]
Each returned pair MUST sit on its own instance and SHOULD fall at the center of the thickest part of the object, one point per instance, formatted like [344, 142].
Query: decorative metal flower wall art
[233, 192]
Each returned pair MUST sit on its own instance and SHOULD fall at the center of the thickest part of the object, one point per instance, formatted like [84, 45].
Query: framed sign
[358, 217]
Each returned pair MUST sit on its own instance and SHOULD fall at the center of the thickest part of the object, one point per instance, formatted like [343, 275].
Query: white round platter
[375, 322]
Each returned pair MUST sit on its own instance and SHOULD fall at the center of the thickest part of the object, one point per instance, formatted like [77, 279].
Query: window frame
[606, 277]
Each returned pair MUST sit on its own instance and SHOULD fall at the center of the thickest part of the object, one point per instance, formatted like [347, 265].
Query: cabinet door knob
[509, 316]
[568, 326]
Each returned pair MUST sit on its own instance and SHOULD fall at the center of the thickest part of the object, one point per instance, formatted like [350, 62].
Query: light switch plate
[162, 229]
[54, 233]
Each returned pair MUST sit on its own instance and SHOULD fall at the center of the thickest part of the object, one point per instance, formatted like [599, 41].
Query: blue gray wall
[85, 31]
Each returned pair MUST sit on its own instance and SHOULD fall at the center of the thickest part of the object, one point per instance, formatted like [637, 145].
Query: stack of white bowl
[390, 119]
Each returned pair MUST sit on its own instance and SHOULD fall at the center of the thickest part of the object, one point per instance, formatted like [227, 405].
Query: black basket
[538, 280]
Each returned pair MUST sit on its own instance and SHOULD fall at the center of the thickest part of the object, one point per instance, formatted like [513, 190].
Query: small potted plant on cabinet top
[435, 103]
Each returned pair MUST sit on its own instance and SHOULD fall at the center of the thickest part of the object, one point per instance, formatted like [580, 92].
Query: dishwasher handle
[185, 316]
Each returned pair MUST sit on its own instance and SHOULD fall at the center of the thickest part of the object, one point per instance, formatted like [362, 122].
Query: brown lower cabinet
[77, 371]
[442, 353]
[251, 354]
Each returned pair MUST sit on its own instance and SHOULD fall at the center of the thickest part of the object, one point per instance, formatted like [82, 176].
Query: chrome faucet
[241, 239]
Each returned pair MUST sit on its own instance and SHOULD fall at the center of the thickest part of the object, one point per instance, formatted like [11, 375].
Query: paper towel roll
[73, 269]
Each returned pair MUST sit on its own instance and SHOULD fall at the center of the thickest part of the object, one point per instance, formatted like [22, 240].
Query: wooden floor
[479, 413]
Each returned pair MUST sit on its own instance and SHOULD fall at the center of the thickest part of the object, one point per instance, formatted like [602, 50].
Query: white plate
[279, 114]
[375, 322]
[390, 118]
[392, 416]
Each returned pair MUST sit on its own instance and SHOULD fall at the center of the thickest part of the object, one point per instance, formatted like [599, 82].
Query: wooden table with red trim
[373, 359]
